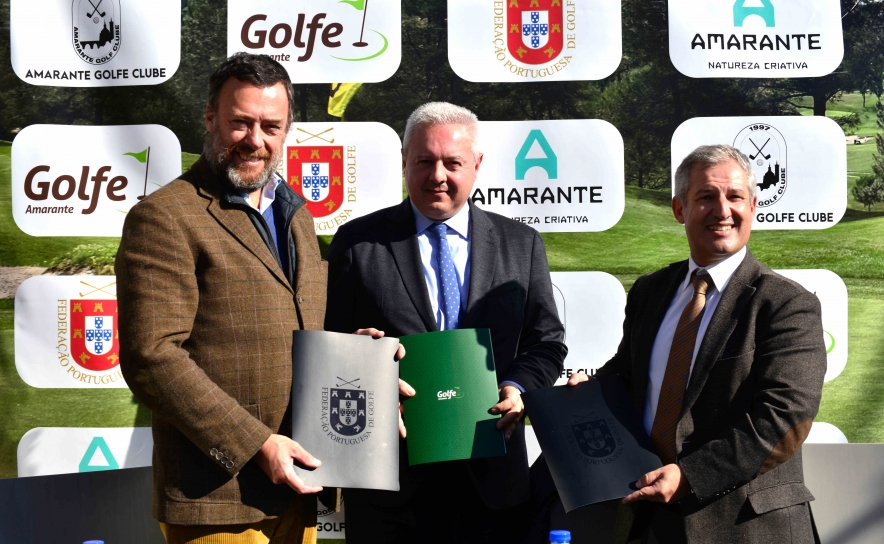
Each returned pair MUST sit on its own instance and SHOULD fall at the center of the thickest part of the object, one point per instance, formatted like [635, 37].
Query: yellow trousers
[294, 526]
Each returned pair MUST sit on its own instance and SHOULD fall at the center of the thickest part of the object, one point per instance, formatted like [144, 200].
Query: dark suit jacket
[753, 393]
[206, 320]
[376, 280]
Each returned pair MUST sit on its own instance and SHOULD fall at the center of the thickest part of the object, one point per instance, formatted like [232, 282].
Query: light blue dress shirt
[458, 237]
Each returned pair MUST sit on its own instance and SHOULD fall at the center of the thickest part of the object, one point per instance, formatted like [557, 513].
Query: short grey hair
[434, 114]
[707, 156]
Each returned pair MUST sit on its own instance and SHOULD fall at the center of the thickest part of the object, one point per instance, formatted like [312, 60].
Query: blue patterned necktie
[448, 287]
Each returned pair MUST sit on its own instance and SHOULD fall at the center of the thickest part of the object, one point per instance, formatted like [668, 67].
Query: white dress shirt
[721, 274]
[268, 195]
[458, 243]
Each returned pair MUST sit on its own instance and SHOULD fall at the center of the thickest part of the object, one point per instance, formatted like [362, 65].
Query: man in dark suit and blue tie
[725, 363]
[438, 262]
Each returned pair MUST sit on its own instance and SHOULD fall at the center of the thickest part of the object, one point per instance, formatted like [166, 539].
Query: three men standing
[724, 358]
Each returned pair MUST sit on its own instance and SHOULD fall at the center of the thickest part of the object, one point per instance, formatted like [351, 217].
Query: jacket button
[212, 452]
[300, 299]
[218, 455]
[229, 464]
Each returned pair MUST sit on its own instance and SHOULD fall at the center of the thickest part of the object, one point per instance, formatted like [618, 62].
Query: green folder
[453, 375]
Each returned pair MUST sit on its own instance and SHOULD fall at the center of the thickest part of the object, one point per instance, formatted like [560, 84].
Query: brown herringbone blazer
[206, 320]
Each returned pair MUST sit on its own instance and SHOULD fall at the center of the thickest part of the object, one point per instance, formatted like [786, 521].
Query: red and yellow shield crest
[95, 341]
[317, 173]
[534, 34]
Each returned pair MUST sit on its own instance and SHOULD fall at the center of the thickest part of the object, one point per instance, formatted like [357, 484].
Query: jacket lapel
[236, 221]
[406, 253]
[727, 314]
[483, 259]
[655, 311]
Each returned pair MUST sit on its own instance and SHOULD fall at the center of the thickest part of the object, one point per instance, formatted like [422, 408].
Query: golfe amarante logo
[534, 33]
[766, 148]
[96, 29]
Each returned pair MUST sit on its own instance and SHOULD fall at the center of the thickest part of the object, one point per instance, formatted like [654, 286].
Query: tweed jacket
[751, 398]
[206, 320]
[376, 280]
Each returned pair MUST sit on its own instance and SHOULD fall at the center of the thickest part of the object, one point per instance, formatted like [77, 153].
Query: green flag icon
[98, 443]
[140, 157]
[358, 4]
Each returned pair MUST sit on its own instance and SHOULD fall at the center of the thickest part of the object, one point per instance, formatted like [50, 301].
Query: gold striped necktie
[678, 369]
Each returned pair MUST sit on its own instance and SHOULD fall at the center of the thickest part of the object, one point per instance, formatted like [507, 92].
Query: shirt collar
[268, 194]
[720, 272]
[459, 222]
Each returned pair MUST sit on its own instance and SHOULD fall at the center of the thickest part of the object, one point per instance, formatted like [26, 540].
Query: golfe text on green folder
[453, 375]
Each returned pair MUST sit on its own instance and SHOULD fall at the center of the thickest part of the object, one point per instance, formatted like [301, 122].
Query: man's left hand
[666, 485]
[511, 407]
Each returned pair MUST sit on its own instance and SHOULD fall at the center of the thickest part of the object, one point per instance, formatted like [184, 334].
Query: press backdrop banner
[556, 176]
[320, 41]
[800, 165]
[64, 450]
[591, 306]
[95, 43]
[82, 180]
[534, 40]
[66, 332]
[755, 38]
[344, 170]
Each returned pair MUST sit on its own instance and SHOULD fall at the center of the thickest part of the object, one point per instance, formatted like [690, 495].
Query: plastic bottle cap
[560, 536]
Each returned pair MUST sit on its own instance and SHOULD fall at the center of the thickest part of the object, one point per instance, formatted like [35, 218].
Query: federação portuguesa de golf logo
[347, 412]
[96, 30]
[766, 148]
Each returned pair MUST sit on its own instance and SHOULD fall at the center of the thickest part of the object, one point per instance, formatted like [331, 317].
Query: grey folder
[345, 393]
[592, 439]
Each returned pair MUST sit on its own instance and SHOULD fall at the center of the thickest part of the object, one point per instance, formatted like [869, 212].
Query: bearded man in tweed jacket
[215, 270]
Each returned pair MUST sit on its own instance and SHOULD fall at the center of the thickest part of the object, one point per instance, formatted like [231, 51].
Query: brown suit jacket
[206, 321]
[752, 395]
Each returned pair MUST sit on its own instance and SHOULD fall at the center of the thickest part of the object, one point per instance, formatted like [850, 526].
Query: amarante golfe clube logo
[96, 29]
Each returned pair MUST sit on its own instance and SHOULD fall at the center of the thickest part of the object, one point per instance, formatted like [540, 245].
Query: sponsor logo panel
[800, 165]
[591, 306]
[343, 170]
[755, 38]
[556, 176]
[82, 180]
[95, 43]
[830, 289]
[534, 40]
[64, 450]
[66, 332]
[319, 41]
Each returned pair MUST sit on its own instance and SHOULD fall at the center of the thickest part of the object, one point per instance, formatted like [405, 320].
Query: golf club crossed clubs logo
[765, 147]
[96, 29]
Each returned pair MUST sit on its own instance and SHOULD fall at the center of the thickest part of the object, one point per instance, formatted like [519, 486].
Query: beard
[220, 158]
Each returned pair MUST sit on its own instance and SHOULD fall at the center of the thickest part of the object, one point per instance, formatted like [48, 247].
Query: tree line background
[646, 98]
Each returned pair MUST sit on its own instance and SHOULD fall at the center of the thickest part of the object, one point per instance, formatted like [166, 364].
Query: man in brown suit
[725, 360]
[215, 270]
